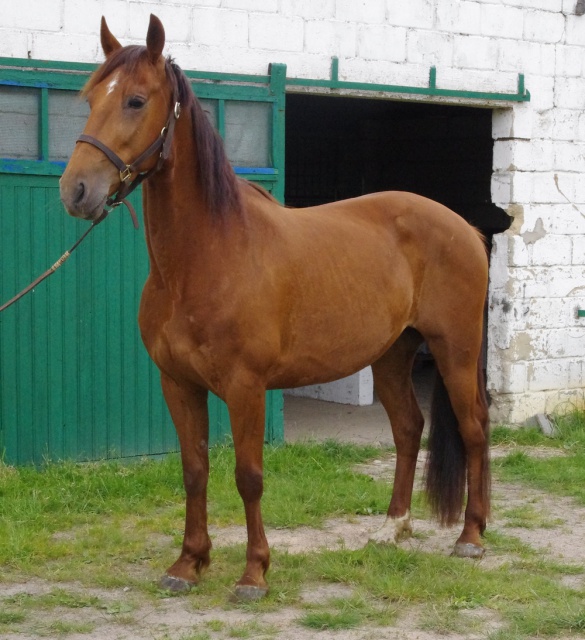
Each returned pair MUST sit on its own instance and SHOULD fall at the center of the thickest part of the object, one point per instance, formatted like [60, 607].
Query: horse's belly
[329, 353]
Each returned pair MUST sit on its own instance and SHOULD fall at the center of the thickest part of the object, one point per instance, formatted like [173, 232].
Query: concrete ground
[308, 419]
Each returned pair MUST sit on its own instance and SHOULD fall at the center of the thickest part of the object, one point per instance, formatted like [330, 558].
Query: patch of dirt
[561, 539]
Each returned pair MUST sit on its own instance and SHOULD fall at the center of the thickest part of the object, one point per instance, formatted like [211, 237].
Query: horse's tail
[447, 461]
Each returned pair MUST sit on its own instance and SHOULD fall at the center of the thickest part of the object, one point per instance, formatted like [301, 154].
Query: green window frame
[225, 90]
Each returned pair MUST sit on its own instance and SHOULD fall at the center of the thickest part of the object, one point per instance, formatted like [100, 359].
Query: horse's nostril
[80, 193]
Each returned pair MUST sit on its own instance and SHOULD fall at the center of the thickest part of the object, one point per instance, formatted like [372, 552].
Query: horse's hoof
[393, 530]
[174, 584]
[468, 550]
[249, 593]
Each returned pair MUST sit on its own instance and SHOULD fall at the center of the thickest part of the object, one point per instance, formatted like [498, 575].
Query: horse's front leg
[188, 408]
[247, 413]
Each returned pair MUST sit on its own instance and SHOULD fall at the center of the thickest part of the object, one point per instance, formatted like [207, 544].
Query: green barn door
[75, 379]
[76, 382]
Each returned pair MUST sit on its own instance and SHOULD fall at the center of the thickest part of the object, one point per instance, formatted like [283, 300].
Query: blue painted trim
[54, 167]
[32, 167]
[266, 171]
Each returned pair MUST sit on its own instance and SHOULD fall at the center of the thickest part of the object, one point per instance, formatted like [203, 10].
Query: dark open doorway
[340, 147]
[344, 147]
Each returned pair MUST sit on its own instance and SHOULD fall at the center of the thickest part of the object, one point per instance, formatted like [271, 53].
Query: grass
[251, 629]
[347, 613]
[562, 474]
[11, 617]
[103, 513]
[116, 524]
[524, 437]
[331, 620]
[528, 516]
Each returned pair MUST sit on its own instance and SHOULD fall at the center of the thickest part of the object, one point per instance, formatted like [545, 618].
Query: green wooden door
[75, 380]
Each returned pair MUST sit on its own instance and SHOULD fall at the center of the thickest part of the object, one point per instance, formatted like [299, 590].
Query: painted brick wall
[536, 341]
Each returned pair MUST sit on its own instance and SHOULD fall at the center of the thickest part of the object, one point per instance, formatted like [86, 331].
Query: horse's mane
[216, 176]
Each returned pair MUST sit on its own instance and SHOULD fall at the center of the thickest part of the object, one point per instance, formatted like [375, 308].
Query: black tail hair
[447, 460]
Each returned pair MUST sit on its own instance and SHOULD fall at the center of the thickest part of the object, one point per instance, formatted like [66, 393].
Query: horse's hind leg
[188, 408]
[393, 385]
[459, 364]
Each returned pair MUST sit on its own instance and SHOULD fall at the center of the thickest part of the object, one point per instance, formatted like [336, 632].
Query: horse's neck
[182, 235]
[177, 223]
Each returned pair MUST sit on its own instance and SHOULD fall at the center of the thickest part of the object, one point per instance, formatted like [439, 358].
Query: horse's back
[388, 230]
[347, 277]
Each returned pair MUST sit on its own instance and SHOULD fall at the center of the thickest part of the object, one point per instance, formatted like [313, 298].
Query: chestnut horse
[245, 295]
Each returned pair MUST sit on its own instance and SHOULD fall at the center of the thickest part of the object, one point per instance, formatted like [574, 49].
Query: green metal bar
[334, 70]
[423, 91]
[44, 125]
[26, 63]
[433, 78]
[221, 118]
[432, 90]
[229, 77]
[275, 401]
[231, 92]
[277, 89]
[50, 74]
[265, 173]
[51, 80]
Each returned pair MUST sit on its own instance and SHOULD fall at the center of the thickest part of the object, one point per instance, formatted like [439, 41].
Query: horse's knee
[250, 483]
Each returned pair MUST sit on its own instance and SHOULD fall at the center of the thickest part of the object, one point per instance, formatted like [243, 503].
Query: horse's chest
[174, 342]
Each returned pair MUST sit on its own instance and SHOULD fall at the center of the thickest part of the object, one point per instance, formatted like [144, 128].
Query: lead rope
[66, 255]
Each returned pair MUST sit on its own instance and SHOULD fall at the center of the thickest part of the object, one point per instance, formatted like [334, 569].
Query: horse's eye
[136, 102]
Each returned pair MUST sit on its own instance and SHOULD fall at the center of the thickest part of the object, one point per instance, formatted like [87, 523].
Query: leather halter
[162, 143]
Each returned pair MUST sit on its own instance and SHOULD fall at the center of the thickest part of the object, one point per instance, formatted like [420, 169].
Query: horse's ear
[155, 38]
[109, 42]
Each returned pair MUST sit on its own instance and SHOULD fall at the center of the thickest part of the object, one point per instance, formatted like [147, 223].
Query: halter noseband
[163, 142]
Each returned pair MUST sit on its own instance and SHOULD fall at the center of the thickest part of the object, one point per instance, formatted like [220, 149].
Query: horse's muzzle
[82, 198]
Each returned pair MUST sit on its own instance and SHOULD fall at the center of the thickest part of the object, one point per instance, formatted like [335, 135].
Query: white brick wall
[331, 38]
[536, 343]
[381, 42]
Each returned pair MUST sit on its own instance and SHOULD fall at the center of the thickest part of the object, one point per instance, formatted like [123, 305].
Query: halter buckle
[177, 110]
[125, 175]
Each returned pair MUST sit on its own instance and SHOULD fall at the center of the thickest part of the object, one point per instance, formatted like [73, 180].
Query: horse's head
[130, 98]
